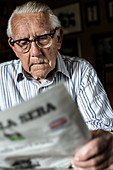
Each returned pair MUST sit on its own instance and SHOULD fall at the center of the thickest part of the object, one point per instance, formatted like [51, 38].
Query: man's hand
[97, 154]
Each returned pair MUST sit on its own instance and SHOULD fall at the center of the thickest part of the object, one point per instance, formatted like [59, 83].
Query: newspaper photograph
[44, 132]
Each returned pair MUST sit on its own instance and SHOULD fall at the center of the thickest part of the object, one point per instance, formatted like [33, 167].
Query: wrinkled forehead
[30, 20]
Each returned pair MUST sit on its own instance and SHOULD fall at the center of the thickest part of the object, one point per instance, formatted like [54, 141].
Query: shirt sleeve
[93, 101]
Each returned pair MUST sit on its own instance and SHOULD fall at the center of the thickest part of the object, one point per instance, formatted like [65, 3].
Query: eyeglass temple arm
[11, 41]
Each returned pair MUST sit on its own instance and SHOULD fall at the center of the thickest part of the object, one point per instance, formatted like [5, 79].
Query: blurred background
[88, 33]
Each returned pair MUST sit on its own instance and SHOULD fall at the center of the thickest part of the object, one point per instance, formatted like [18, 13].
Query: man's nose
[35, 50]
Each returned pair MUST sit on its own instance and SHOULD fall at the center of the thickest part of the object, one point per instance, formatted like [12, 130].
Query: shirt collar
[60, 68]
[20, 75]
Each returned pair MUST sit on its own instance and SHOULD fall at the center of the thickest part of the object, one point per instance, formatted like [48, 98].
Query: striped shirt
[79, 77]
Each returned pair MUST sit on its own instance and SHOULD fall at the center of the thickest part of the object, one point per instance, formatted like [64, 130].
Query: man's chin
[39, 77]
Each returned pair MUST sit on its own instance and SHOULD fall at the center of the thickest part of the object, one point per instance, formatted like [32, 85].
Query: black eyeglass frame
[33, 40]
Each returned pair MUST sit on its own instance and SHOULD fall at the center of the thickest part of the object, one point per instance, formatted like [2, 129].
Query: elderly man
[35, 36]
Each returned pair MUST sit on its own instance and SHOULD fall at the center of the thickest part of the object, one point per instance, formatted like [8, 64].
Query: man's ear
[9, 42]
[59, 38]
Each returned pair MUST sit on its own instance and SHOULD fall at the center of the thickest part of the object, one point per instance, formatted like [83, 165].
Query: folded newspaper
[44, 132]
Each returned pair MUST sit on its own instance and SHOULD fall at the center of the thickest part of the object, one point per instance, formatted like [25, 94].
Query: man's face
[37, 61]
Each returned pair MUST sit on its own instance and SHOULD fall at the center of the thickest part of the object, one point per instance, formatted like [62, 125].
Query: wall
[85, 38]
[104, 27]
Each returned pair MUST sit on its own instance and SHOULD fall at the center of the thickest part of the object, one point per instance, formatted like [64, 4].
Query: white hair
[33, 7]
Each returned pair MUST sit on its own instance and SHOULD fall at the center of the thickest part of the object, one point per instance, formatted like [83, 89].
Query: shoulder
[74, 59]
[10, 69]
[10, 64]
[80, 67]
[77, 62]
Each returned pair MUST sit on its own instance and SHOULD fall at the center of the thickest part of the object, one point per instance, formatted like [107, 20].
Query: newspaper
[44, 132]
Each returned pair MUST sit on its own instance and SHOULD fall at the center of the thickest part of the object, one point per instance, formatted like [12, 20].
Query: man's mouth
[39, 66]
[38, 63]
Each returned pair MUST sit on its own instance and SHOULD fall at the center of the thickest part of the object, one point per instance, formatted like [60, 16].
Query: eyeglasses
[42, 41]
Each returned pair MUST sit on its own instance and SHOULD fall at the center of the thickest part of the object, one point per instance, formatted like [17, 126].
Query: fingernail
[77, 158]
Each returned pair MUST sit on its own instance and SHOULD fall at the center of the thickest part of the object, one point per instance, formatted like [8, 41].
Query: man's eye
[43, 39]
[22, 43]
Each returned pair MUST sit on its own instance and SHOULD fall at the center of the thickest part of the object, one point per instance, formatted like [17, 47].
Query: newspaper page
[44, 132]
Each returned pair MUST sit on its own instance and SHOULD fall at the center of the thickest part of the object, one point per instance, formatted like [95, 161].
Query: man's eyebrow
[22, 39]
[26, 38]
[45, 32]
